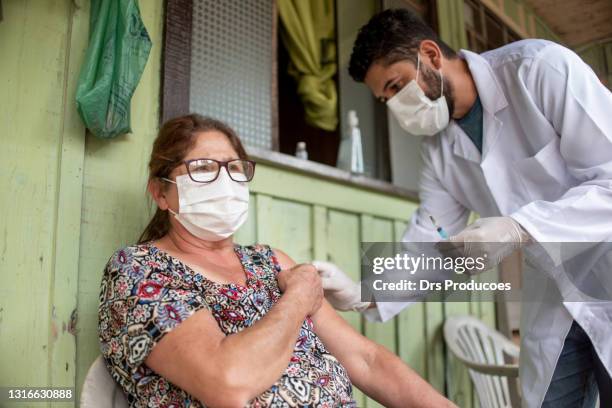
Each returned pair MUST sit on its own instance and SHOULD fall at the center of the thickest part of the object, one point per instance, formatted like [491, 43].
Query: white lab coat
[547, 163]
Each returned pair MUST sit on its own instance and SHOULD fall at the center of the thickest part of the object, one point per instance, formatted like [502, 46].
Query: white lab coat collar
[492, 99]
[491, 94]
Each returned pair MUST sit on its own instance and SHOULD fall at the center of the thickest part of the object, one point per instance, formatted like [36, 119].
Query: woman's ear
[432, 53]
[157, 188]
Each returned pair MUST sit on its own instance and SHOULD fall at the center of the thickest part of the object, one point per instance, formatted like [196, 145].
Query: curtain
[308, 33]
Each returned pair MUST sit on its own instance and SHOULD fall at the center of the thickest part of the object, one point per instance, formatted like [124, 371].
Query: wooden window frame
[483, 11]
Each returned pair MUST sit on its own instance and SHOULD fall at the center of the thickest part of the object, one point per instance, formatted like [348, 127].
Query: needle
[440, 230]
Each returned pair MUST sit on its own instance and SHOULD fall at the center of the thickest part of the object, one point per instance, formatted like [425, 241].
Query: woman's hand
[371, 367]
[302, 283]
[230, 370]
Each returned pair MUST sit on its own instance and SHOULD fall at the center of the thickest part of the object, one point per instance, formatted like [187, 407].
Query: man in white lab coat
[522, 135]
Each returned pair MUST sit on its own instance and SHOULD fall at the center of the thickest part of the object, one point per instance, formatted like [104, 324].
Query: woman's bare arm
[222, 370]
[371, 367]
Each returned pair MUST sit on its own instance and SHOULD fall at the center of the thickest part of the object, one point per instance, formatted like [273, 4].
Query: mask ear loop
[418, 67]
[173, 182]
[439, 71]
[441, 83]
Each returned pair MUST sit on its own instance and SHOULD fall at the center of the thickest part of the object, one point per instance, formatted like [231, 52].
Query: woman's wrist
[298, 300]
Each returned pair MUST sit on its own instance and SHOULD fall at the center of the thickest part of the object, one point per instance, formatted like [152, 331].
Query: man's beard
[432, 80]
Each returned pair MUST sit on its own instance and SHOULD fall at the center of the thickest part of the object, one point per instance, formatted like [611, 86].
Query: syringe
[440, 230]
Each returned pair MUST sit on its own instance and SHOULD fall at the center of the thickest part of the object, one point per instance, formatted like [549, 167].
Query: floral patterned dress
[146, 293]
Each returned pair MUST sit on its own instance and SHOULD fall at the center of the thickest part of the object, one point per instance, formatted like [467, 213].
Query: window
[322, 145]
[226, 59]
[484, 30]
[219, 61]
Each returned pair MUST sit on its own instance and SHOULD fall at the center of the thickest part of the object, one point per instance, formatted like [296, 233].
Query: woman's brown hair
[174, 140]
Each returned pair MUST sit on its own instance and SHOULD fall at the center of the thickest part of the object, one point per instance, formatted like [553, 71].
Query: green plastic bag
[118, 50]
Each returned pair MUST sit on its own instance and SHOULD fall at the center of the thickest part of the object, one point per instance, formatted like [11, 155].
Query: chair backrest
[485, 352]
[100, 390]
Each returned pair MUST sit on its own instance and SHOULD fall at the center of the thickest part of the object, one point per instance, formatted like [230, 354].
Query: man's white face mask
[212, 211]
[415, 112]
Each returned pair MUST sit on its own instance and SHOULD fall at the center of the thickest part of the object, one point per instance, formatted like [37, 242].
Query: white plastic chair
[485, 352]
[100, 390]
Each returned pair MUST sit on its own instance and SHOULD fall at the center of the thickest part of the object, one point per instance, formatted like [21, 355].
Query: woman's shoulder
[267, 252]
[258, 250]
[128, 257]
[128, 252]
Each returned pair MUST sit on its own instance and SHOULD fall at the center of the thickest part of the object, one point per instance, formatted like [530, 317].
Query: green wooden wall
[599, 57]
[42, 43]
[69, 200]
[517, 14]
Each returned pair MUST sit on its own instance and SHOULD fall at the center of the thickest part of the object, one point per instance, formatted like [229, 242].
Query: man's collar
[490, 92]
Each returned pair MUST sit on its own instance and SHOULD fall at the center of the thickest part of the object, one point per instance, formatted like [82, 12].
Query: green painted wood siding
[40, 203]
[599, 57]
[69, 200]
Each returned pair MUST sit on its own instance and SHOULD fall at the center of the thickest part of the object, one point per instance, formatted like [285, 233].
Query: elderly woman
[189, 318]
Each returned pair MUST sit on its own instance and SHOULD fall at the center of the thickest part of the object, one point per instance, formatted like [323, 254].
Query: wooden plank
[451, 24]
[62, 362]
[411, 338]
[511, 9]
[530, 22]
[458, 382]
[306, 189]
[264, 216]
[320, 233]
[608, 61]
[434, 315]
[487, 308]
[379, 230]
[505, 18]
[247, 234]
[411, 343]
[115, 207]
[343, 249]
[33, 40]
[436, 349]
[485, 311]
[285, 225]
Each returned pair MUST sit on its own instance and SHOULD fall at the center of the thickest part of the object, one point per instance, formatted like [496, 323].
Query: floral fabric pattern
[146, 293]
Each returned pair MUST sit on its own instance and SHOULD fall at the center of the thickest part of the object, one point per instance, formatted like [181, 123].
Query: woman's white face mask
[211, 211]
[415, 112]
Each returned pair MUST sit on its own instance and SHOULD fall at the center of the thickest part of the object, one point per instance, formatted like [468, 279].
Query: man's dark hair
[391, 36]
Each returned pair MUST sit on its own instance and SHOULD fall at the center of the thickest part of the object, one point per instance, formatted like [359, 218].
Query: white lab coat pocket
[545, 175]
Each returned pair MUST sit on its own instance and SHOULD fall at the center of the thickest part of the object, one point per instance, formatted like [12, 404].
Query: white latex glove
[340, 290]
[492, 238]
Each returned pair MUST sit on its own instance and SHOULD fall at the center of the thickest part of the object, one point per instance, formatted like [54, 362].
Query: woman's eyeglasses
[207, 170]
